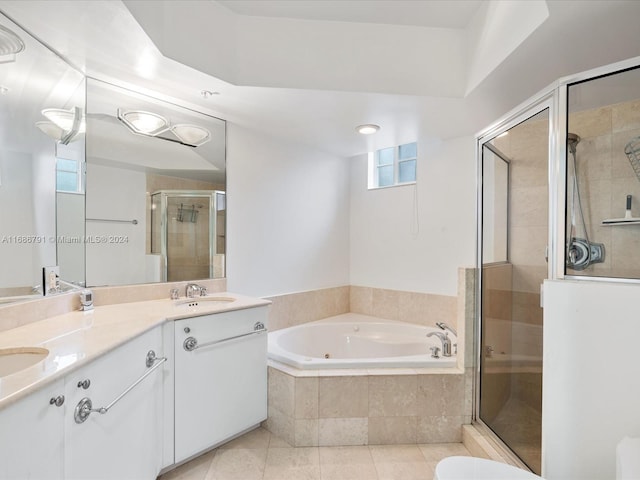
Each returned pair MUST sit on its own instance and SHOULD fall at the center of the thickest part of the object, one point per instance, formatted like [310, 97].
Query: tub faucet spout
[446, 342]
[444, 326]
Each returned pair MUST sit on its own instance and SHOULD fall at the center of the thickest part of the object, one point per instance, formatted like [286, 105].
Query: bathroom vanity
[110, 380]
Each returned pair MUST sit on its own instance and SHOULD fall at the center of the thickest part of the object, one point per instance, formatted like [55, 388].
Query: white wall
[385, 250]
[288, 216]
[591, 381]
[114, 193]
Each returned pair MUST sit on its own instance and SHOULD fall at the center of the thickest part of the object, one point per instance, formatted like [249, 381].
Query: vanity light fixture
[10, 45]
[143, 123]
[63, 125]
[65, 119]
[191, 134]
[367, 129]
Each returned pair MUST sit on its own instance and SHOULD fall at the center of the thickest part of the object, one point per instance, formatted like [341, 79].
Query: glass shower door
[513, 266]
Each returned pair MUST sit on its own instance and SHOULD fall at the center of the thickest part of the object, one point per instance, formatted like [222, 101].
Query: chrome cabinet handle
[191, 343]
[57, 401]
[85, 406]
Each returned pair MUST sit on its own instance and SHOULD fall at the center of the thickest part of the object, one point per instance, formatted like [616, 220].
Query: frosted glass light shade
[145, 123]
[191, 134]
[64, 119]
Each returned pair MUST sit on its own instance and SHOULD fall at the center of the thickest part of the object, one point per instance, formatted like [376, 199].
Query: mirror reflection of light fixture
[144, 123]
[152, 125]
[191, 134]
[63, 126]
[10, 45]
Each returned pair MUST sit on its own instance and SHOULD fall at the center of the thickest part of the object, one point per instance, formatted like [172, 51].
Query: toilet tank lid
[472, 468]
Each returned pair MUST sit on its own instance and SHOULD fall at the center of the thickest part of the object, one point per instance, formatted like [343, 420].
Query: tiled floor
[259, 455]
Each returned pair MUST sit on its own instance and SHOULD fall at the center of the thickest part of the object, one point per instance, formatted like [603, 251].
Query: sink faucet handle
[203, 291]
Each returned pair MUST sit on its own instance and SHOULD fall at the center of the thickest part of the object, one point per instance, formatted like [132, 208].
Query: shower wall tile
[620, 165]
[528, 245]
[466, 315]
[529, 206]
[625, 116]
[591, 123]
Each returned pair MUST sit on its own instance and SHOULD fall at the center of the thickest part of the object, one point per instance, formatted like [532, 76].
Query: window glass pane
[385, 156]
[67, 165]
[410, 150]
[385, 176]
[66, 182]
[407, 171]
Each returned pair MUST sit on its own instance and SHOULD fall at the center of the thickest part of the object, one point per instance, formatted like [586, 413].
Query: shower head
[572, 141]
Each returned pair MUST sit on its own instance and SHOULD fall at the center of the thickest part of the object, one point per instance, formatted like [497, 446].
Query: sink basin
[13, 360]
[203, 300]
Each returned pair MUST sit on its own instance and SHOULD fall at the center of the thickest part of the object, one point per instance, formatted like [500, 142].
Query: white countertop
[76, 338]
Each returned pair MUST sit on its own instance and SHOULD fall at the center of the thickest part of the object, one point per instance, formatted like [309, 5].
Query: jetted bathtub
[353, 340]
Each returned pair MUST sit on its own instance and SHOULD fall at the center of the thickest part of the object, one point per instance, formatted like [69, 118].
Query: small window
[393, 166]
[68, 176]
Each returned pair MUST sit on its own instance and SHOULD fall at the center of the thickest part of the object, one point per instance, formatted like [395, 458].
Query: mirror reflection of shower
[581, 252]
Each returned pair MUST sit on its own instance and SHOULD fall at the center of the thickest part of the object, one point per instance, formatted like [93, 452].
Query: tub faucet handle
[435, 352]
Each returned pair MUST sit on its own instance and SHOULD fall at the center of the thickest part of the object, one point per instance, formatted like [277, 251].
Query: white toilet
[471, 468]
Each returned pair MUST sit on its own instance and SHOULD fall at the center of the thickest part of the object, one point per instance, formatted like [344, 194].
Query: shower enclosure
[187, 232]
[558, 199]
[514, 214]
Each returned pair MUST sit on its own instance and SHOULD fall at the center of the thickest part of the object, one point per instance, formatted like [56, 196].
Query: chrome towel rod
[134, 221]
[85, 406]
[191, 344]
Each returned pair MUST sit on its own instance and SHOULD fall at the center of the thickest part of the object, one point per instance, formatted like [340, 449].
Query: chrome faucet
[446, 342]
[193, 290]
[444, 326]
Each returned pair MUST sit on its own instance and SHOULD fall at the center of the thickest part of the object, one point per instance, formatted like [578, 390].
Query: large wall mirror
[42, 102]
[155, 190]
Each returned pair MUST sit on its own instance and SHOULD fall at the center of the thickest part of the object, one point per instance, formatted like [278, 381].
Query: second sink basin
[13, 360]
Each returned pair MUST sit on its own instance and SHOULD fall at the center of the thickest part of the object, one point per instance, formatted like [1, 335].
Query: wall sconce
[63, 126]
[10, 45]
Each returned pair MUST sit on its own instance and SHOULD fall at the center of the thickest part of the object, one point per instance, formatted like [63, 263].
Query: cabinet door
[221, 389]
[125, 442]
[31, 440]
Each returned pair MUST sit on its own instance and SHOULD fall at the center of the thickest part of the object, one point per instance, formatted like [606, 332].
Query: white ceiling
[433, 13]
[104, 39]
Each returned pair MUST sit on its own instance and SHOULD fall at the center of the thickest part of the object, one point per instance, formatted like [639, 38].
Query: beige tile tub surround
[296, 308]
[368, 409]
[18, 314]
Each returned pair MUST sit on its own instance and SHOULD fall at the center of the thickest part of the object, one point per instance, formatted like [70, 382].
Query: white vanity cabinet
[220, 378]
[126, 441]
[31, 441]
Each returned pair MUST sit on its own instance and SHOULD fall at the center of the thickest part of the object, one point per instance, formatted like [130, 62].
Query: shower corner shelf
[614, 223]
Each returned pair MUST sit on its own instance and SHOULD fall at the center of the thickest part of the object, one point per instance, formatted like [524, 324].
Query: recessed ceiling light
[367, 129]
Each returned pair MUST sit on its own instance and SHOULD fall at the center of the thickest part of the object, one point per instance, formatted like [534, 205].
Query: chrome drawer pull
[85, 406]
[191, 343]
